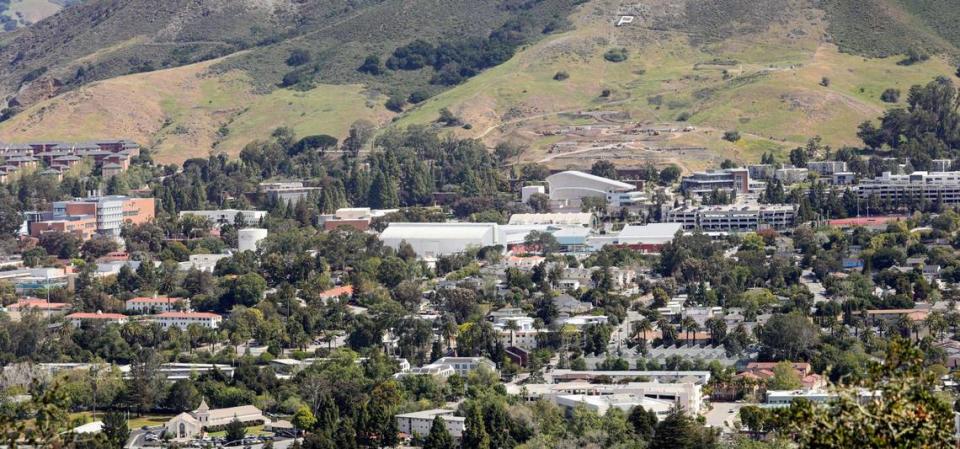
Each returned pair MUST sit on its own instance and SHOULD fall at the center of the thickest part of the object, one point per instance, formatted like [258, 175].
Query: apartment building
[84, 217]
[185, 319]
[791, 175]
[827, 168]
[733, 218]
[921, 185]
[112, 156]
[419, 423]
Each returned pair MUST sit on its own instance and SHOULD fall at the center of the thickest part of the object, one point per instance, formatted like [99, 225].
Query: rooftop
[186, 315]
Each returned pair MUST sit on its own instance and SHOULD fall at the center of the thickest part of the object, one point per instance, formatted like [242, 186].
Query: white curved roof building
[432, 240]
[575, 185]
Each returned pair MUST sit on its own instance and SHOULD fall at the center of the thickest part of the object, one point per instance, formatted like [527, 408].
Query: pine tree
[383, 193]
[115, 428]
[475, 436]
[346, 435]
[327, 415]
[419, 187]
[438, 438]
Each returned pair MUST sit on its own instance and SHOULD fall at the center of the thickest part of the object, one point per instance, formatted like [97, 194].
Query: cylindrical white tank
[248, 238]
[527, 191]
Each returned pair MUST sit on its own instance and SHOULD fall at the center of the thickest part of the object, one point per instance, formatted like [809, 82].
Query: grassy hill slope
[771, 93]
[184, 112]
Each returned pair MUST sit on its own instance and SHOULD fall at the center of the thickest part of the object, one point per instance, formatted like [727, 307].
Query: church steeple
[202, 413]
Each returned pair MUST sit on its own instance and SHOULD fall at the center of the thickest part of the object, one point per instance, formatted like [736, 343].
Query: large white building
[930, 186]
[644, 238]
[419, 423]
[733, 218]
[185, 319]
[447, 366]
[432, 240]
[569, 188]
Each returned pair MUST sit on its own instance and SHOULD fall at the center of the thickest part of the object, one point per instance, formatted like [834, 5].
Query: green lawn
[148, 420]
[251, 431]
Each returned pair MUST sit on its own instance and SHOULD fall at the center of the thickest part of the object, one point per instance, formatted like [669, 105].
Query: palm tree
[513, 328]
[689, 325]
[640, 329]
[449, 331]
[717, 328]
[666, 329]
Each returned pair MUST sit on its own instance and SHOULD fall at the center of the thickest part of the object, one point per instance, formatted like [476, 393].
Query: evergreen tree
[147, 275]
[383, 193]
[327, 416]
[235, 430]
[346, 435]
[680, 431]
[438, 438]
[116, 430]
[475, 435]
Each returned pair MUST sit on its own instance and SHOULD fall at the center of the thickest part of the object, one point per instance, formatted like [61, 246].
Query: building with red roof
[78, 318]
[763, 371]
[336, 292]
[45, 308]
[185, 319]
[156, 304]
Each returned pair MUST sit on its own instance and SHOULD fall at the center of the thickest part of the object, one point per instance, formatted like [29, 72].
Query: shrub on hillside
[395, 103]
[371, 65]
[890, 95]
[616, 54]
[298, 57]
[418, 96]
[561, 75]
[914, 55]
[731, 136]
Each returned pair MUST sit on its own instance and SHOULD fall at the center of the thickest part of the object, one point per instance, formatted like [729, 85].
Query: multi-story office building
[733, 218]
[84, 217]
[731, 179]
[939, 186]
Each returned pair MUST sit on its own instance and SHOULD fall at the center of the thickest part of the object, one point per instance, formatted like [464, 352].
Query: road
[810, 281]
[620, 334]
